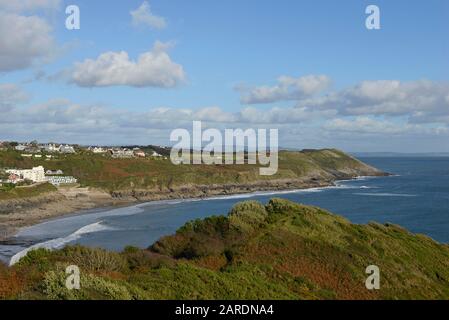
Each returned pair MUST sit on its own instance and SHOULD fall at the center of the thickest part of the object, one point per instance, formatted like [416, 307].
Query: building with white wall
[37, 174]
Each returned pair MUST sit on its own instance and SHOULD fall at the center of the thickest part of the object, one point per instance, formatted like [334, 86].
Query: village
[35, 150]
[54, 151]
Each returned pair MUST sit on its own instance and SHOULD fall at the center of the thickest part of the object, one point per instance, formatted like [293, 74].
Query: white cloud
[366, 125]
[277, 116]
[384, 129]
[28, 5]
[64, 120]
[416, 99]
[12, 94]
[288, 88]
[214, 114]
[152, 69]
[24, 40]
[144, 16]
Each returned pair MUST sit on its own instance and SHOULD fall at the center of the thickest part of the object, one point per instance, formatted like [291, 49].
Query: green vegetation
[109, 174]
[282, 250]
[10, 191]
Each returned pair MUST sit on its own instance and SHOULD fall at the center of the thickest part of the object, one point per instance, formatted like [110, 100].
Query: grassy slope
[279, 251]
[125, 174]
[26, 192]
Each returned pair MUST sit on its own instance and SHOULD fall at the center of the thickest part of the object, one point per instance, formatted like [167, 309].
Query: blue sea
[416, 197]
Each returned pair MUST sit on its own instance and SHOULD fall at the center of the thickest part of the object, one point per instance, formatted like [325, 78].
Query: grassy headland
[116, 175]
[282, 250]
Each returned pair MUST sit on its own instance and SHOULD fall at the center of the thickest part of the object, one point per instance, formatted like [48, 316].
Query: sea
[415, 196]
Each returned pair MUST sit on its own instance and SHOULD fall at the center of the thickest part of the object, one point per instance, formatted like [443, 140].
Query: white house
[51, 147]
[122, 153]
[20, 147]
[37, 174]
[66, 149]
[98, 150]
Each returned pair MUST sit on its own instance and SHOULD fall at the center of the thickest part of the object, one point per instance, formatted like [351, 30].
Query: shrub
[91, 287]
[247, 216]
[94, 259]
[139, 259]
[10, 283]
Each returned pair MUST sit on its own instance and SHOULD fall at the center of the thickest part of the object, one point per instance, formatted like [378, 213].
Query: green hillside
[145, 174]
[282, 250]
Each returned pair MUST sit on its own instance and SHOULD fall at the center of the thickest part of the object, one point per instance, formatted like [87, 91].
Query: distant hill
[282, 250]
[399, 154]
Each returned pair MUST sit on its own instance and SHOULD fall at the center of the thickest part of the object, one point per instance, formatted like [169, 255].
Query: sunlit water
[417, 197]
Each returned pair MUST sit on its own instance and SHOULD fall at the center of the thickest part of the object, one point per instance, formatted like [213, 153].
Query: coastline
[68, 201]
[301, 171]
[52, 205]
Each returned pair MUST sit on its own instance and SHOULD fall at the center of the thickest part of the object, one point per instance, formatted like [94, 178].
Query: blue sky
[227, 50]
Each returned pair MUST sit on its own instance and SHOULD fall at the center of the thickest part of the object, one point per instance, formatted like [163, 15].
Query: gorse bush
[91, 287]
[247, 216]
[94, 259]
[138, 259]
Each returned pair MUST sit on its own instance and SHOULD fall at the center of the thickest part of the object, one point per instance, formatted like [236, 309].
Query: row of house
[122, 152]
[39, 175]
[49, 148]
[34, 150]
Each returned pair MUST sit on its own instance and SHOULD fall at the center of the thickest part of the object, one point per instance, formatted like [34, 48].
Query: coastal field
[282, 250]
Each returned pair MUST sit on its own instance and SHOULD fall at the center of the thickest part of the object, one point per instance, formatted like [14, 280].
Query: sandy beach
[19, 213]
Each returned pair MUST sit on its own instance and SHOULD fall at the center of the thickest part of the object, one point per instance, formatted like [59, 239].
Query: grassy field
[282, 250]
[137, 173]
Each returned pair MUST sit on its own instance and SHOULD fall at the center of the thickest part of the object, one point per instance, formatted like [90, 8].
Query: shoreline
[51, 205]
[71, 201]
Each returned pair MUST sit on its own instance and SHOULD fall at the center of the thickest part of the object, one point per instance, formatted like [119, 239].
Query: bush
[95, 259]
[139, 259]
[247, 216]
[91, 287]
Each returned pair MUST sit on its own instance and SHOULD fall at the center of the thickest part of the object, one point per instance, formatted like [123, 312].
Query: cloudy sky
[138, 69]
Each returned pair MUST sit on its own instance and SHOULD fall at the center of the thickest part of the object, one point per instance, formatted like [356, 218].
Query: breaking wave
[60, 242]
